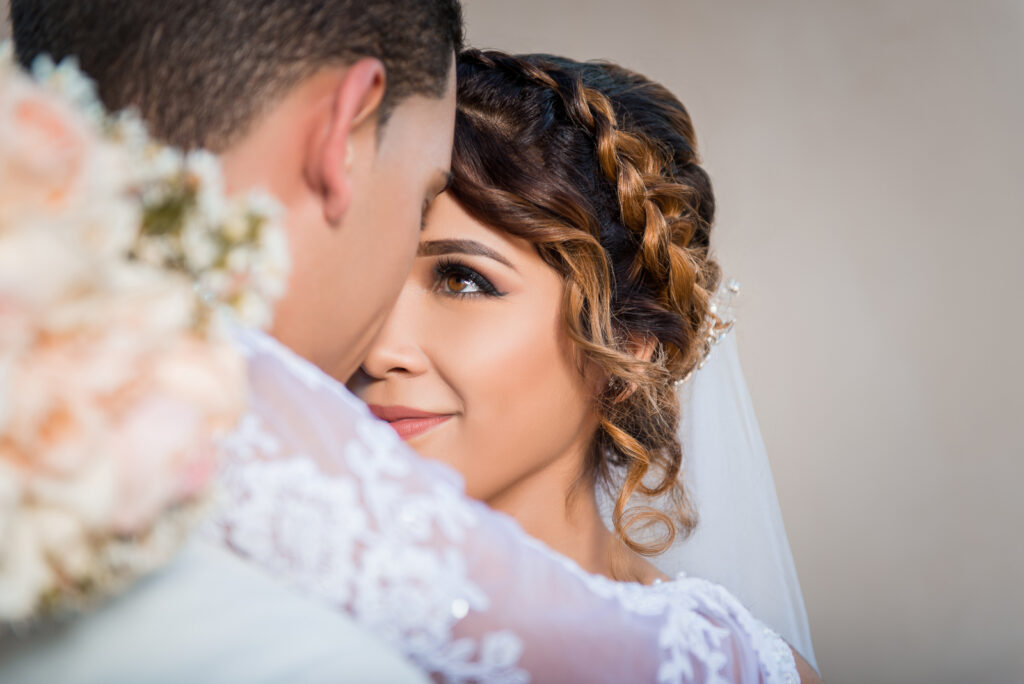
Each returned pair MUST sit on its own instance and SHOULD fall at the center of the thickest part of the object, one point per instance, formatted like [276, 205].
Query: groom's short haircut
[200, 71]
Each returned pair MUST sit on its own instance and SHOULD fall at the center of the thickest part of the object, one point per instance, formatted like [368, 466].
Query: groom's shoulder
[207, 617]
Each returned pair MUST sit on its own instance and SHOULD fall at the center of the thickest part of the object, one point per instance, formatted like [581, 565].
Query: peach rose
[55, 166]
[188, 394]
[43, 146]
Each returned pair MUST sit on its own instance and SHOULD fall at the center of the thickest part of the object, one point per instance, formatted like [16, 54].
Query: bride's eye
[453, 279]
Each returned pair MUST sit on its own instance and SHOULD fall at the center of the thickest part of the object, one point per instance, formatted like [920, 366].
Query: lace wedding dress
[332, 502]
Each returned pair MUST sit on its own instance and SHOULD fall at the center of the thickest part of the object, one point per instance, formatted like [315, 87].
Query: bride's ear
[642, 348]
[347, 131]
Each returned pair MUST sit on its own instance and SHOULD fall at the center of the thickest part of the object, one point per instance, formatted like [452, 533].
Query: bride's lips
[409, 422]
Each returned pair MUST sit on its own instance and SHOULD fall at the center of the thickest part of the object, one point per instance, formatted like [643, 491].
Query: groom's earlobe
[350, 130]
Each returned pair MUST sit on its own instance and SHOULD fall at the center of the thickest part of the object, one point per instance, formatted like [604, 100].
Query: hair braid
[595, 165]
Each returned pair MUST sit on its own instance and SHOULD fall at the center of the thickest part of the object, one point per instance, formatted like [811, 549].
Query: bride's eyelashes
[455, 279]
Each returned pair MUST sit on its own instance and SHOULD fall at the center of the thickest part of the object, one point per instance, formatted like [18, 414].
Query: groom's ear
[352, 116]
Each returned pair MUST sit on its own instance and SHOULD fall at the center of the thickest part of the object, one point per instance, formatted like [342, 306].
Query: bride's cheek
[488, 362]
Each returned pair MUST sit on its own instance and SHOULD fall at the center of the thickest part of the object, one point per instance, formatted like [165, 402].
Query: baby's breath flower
[162, 163]
[198, 246]
[253, 310]
[68, 80]
[236, 227]
[215, 284]
[203, 170]
[240, 260]
[263, 204]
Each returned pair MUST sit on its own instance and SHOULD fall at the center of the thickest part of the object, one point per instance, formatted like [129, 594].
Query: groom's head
[344, 109]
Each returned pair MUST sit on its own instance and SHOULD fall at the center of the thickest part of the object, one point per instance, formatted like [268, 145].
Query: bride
[564, 290]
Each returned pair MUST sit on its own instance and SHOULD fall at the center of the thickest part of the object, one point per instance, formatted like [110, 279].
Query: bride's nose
[396, 350]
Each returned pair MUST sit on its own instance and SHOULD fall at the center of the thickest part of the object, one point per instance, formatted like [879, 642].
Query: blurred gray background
[869, 165]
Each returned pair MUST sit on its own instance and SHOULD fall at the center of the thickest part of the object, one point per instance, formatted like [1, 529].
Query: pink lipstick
[409, 422]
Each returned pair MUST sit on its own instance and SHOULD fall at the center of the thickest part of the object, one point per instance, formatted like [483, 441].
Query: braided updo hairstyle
[597, 167]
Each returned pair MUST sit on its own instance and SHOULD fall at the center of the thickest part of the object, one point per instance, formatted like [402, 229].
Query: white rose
[90, 495]
[24, 572]
[5, 396]
[64, 539]
[107, 221]
[40, 265]
[8, 356]
[11, 492]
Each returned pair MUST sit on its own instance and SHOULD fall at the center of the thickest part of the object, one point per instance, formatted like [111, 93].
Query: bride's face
[473, 367]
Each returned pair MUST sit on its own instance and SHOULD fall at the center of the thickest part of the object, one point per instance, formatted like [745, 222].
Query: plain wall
[869, 163]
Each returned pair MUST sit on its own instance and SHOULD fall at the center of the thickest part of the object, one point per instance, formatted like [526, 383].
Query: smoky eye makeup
[454, 278]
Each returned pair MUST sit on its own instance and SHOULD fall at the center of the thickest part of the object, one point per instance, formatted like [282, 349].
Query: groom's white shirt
[207, 617]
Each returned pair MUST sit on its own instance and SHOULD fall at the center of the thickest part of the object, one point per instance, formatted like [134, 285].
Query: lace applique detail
[687, 633]
[777, 664]
[363, 548]
[330, 500]
[687, 636]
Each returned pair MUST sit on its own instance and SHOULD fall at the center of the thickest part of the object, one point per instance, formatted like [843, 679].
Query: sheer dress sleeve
[330, 500]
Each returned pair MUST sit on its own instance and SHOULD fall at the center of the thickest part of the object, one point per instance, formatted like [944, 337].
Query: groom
[345, 111]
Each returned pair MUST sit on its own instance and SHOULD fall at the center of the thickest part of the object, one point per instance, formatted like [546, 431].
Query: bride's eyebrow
[469, 247]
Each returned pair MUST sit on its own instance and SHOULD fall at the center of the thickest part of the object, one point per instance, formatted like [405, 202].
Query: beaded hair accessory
[721, 319]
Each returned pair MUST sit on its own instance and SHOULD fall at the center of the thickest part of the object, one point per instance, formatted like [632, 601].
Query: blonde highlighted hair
[597, 167]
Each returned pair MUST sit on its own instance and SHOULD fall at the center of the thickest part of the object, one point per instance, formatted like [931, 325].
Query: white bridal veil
[740, 540]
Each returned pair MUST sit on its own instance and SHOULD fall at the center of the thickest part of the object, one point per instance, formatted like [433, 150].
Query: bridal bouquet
[117, 259]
